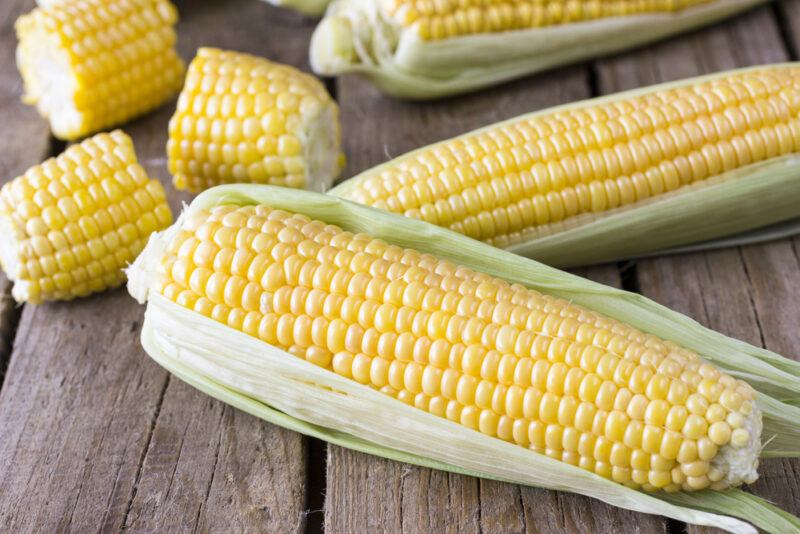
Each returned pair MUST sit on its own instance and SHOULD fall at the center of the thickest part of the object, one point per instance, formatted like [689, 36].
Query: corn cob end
[48, 84]
[332, 51]
[88, 66]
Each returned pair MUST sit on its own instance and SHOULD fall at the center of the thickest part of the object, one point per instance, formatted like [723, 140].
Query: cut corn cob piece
[89, 64]
[580, 183]
[241, 118]
[427, 49]
[72, 224]
[205, 323]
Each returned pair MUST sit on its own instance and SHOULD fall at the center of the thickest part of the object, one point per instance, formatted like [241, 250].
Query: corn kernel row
[441, 19]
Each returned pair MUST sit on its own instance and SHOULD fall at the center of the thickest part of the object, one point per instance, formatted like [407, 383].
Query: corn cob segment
[542, 175]
[72, 224]
[242, 118]
[507, 361]
[89, 65]
[423, 49]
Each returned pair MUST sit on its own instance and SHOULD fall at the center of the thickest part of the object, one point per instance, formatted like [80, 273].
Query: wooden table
[95, 436]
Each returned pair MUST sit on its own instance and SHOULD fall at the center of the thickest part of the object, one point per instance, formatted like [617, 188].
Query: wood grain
[95, 435]
[369, 494]
[77, 410]
[751, 292]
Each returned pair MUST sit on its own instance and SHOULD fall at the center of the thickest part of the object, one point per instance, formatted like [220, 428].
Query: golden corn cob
[90, 64]
[539, 175]
[72, 224]
[507, 361]
[241, 118]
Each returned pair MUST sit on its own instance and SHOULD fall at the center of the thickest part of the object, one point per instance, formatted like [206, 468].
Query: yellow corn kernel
[242, 118]
[56, 247]
[532, 177]
[503, 360]
[89, 65]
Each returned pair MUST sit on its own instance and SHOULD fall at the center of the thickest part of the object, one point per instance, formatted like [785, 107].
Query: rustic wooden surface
[96, 437]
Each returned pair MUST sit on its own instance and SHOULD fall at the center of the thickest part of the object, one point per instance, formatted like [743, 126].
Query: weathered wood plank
[367, 494]
[98, 437]
[748, 293]
[76, 411]
[25, 139]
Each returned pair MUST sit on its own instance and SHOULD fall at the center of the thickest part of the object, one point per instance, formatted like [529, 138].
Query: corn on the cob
[502, 359]
[428, 49]
[89, 64]
[241, 118]
[537, 178]
[254, 282]
[72, 224]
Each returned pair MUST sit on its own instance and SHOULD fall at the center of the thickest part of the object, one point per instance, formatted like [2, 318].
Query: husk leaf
[312, 8]
[271, 384]
[355, 36]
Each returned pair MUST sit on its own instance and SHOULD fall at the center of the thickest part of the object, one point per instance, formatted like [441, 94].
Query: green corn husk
[273, 385]
[312, 8]
[756, 203]
[356, 36]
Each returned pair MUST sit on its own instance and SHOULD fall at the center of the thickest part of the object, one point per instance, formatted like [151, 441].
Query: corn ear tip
[331, 51]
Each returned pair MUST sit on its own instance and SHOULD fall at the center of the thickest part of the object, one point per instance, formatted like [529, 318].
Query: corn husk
[356, 36]
[269, 383]
[755, 203]
[312, 8]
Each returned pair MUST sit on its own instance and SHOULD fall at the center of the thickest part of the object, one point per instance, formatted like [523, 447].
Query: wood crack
[223, 429]
[10, 316]
[761, 336]
[145, 450]
[781, 19]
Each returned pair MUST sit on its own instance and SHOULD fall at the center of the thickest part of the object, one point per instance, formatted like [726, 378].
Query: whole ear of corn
[423, 49]
[382, 347]
[241, 118]
[72, 224]
[615, 177]
[89, 64]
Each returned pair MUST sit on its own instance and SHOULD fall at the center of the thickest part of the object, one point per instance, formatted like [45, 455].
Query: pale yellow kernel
[739, 438]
